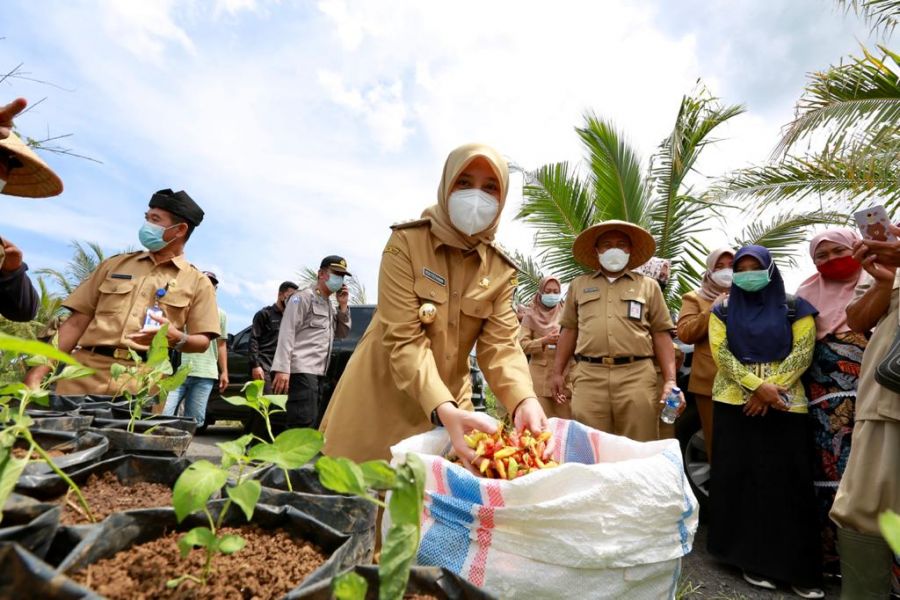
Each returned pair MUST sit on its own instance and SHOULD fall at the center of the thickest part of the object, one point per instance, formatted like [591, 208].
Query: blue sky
[307, 128]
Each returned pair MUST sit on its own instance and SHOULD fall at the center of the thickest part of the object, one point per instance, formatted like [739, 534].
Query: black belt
[115, 352]
[609, 360]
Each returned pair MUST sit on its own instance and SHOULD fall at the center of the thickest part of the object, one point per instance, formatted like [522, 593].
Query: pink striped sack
[612, 521]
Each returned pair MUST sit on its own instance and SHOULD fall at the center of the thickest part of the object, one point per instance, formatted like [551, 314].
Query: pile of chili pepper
[507, 454]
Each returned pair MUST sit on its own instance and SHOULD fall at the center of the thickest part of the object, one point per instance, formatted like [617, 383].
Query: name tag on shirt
[635, 310]
[120, 276]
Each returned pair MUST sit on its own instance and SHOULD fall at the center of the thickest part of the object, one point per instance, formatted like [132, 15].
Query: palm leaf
[783, 233]
[882, 15]
[844, 176]
[619, 188]
[530, 276]
[558, 205]
[863, 94]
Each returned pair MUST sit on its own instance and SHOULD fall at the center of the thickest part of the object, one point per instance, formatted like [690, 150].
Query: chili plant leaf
[397, 555]
[291, 449]
[889, 523]
[230, 543]
[235, 400]
[406, 499]
[252, 390]
[41, 397]
[341, 475]
[116, 370]
[379, 474]
[349, 586]
[170, 383]
[246, 495]
[279, 400]
[16, 345]
[159, 347]
[233, 450]
[76, 371]
[10, 470]
[194, 487]
[198, 536]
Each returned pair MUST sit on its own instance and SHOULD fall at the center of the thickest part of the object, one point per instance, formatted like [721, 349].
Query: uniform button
[455, 294]
[448, 357]
[452, 323]
[432, 294]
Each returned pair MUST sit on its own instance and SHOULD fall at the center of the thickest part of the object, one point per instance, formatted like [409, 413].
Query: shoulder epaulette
[505, 255]
[410, 223]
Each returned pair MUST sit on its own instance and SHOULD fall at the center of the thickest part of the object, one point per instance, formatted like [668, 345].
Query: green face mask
[752, 281]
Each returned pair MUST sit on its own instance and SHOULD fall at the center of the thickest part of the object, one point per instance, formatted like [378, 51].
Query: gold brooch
[172, 283]
[485, 282]
[427, 313]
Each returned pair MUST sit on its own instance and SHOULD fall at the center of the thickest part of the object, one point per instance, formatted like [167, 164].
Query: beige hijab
[439, 214]
[539, 318]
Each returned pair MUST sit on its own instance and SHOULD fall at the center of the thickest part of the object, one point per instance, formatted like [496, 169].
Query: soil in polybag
[29, 523]
[69, 450]
[25, 577]
[161, 441]
[154, 565]
[424, 582]
[347, 514]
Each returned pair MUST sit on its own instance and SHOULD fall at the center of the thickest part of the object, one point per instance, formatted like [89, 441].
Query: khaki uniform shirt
[117, 295]
[121, 289]
[403, 369]
[615, 319]
[308, 327]
[693, 328]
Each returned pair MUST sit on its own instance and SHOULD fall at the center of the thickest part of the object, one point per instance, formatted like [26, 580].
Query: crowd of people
[782, 382]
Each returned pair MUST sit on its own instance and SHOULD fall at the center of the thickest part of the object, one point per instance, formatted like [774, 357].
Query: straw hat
[33, 179]
[642, 244]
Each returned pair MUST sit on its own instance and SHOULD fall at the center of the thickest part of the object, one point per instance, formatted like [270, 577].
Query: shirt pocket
[114, 296]
[633, 307]
[319, 315]
[175, 305]
[478, 309]
[429, 291]
[589, 307]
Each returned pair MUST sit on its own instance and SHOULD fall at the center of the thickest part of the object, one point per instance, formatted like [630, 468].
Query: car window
[242, 341]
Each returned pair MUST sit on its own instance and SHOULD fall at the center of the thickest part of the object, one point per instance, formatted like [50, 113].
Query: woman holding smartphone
[763, 519]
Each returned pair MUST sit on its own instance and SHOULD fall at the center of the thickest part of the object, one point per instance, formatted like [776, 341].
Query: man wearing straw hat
[110, 313]
[615, 322]
[22, 173]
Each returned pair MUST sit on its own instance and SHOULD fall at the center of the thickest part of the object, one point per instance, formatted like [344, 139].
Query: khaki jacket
[693, 328]
[540, 363]
[403, 369]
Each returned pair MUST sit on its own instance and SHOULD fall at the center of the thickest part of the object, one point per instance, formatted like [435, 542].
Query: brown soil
[106, 495]
[271, 564]
[19, 452]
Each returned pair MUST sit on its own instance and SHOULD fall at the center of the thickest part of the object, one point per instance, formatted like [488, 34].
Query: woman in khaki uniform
[538, 335]
[443, 287]
[693, 328]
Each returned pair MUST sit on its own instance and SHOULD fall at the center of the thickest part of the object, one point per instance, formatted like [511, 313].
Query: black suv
[217, 409]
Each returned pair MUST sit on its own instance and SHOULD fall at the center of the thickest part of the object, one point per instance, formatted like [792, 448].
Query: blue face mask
[151, 236]
[550, 300]
[752, 281]
[334, 283]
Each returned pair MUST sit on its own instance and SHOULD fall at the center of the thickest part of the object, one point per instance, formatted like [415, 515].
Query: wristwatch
[180, 344]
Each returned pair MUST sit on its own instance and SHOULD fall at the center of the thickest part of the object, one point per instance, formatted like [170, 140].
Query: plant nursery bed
[106, 495]
[270, 565]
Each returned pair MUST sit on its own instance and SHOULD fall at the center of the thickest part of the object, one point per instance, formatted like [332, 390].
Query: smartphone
[873, 224]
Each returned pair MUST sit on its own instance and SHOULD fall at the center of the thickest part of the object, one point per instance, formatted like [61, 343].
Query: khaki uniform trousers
[618, 399]
[99, 383]
[553, 409]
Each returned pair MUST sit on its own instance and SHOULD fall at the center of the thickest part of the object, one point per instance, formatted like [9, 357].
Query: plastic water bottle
[149, 323]
[670, 408]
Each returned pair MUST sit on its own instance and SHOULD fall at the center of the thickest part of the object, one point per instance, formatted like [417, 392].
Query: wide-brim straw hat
[643, 246]
[34, 179]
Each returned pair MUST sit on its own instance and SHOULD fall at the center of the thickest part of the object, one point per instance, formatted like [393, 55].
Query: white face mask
[722, 277]
[614, 259]
[472, 211]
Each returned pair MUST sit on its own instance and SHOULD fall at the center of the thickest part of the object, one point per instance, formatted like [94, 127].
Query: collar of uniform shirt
[436, 243]
[179, 261]
[627, 273]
